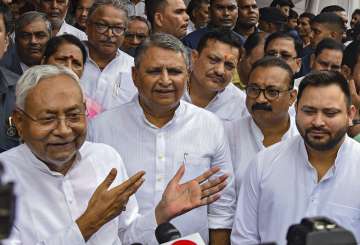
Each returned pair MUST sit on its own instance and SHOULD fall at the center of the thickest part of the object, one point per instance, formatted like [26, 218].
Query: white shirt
[110, 87]
[246, 140]
[194, 136]
[136, 9]
[281, 187]
[69, 29]
[49, 203]
[228, 105]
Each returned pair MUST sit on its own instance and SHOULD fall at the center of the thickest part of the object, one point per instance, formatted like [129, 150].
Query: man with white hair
[75, 192]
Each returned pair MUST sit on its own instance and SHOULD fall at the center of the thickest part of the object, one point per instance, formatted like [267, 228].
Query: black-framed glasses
[52, 122]
[102, 28]
[284, 55]
[270, 93]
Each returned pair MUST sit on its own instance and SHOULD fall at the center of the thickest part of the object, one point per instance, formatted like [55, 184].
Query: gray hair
[118, 4]
[29, 17]
[34, 75]
[165, 41]
[140, 18]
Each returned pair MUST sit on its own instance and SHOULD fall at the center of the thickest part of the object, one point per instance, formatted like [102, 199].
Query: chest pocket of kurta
[195, 165]
[347, 217]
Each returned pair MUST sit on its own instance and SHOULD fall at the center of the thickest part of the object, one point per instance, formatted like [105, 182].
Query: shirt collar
[219, 96]
[118, 53]
[178, 112]
[42, 166]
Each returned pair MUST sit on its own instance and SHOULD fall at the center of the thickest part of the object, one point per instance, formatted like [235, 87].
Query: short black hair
[323, 79]
[269, 61]
[284, 35]
[195, 5]
[332, 8]
[293, 14]
[328, 43]
[356, 12]
[308, 15]
[329, 18]
[7, 17]
[227, 37]
[351, 55]
[151, 6]
[54, 43]
[253, 41]
[282, 3]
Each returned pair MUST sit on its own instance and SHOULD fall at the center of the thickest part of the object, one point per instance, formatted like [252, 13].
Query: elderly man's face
[160, 78]
[53, 122]
[106, 26]
[55, 10]
[135, 34]
[214, 65]
[31, 42]
[272, 105]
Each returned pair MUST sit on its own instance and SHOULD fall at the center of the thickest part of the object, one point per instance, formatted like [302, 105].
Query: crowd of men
[224, 119]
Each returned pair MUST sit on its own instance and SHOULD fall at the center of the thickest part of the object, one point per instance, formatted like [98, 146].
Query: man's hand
[106, 204]
[178, 198]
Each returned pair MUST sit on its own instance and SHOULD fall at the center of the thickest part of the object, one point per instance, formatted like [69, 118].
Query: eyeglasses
[283, 55]
[102, 28]
[269, 92]
[52, 122]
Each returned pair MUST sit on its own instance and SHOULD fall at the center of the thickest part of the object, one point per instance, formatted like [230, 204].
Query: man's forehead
[101, 13]
[323, 96]
[282, 44]
[269, 76]
[154, 57]
[225, 2]
[35, 24]
[242, 3]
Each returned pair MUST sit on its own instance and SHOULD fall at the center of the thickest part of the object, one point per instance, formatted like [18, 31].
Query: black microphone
[166, 232]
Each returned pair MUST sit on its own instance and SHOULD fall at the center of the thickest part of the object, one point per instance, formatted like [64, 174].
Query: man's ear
[158, 19]
[293, 94]
[352, 113]
[346, 71]
[312, 60]
[298, 63]
[7, 42]
[135, 75]
[18, 120]
[194, 56]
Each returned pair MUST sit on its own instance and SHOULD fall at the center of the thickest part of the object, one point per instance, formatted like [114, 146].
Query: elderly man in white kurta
[70, 191]
[269, 95]
[157, 132]
[315, 174]
[107, 73]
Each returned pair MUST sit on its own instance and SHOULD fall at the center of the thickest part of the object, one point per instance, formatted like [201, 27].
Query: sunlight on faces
[106, 43]
[214, 66]
[172, 18]
[328, 59]
[58, 96]
[70, 56]
[160, 78]
[322, 116]
[270, 77]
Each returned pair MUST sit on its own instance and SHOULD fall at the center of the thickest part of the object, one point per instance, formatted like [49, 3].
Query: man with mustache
[269, 95]
[56, 11]
[32, 32]
[107, 76]
[157, 132]
[213, 65]
[70, 191]
[312, 174]
[223, 16]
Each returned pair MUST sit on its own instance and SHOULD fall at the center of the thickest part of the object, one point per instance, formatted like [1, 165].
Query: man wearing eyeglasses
[269, 94]
[285, 46]
[107, 75]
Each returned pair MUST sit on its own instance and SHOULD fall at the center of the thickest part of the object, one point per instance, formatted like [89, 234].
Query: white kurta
[246, 140]
[194, 136]
[228, 105]
[49, 203]
[69, 29]
[281, 187]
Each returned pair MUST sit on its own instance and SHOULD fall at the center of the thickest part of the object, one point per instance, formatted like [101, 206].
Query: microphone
[167, 234]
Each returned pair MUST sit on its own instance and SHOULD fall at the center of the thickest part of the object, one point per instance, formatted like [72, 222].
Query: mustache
[261, 107]
[322, 130]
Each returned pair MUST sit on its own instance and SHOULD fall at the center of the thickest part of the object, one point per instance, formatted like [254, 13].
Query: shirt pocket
[195, 165]
[345, 216]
